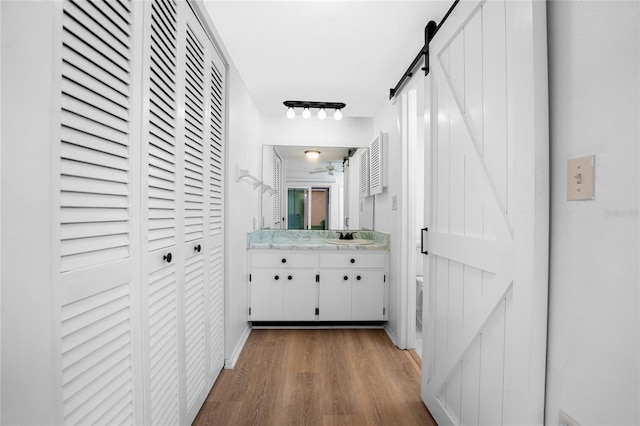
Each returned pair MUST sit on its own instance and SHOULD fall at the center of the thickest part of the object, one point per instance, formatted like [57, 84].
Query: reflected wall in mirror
[320, 193]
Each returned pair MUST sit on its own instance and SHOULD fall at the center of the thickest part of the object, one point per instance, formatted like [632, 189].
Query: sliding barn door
[485, 344]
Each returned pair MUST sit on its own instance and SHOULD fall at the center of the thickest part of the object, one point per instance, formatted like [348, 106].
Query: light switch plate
[394, 202]
[581, 178]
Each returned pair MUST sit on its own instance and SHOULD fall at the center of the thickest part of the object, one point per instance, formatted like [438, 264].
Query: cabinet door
[367, 296]
[334, 293]
[299, 298]
[267, 295]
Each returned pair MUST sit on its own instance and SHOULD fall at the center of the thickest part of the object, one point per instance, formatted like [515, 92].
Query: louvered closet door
[215, 242]
[161, 216]
[195, 339]
[99, 306]
[183, 208]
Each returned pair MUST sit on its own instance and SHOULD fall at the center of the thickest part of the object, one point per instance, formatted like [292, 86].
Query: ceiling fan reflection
[329, 168]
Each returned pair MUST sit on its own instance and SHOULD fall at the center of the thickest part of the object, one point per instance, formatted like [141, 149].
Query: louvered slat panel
[87, 230]
[194, 138]
[375, 166]
[364, 174]
[216, 181]
[98, 23]
[194, 328]
[161, 190]
[97, 358]
[102, 48]
[163, 347]
[119, 17]
[94, 151]
[216, 306]
[277, 188]
[85, 74]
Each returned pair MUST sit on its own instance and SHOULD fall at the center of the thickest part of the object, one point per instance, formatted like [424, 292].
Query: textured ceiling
[334, 51]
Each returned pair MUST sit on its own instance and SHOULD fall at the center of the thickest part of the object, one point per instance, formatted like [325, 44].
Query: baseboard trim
[230, 363]
[392, 336]
[315, 324]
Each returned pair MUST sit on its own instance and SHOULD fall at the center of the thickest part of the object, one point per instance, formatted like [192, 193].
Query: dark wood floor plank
[318, 377]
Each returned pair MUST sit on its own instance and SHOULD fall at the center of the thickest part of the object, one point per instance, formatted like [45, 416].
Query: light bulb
[322, 114]
[337, 115]
[291, 113]
[312, 154]
[306, 113]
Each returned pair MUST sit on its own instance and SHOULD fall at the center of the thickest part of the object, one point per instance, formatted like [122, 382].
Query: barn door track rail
[429, 32]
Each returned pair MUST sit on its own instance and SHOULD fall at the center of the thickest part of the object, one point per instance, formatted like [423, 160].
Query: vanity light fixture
[320, 106]
[312, 154]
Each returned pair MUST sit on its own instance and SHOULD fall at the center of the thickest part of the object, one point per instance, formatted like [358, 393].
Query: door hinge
[249, 311]
[317, 311]
[317, 278]
[385, 278]
[249, 277]
[384, 310]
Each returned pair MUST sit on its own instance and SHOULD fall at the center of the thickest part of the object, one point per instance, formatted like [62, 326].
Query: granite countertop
[313, 240]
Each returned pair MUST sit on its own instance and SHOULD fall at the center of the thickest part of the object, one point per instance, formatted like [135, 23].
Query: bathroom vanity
[304, 276]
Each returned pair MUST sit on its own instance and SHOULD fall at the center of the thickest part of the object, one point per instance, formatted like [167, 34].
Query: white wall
[593, 354]
[27, 359]
[348, 132]
[243, 209]
[388, 220]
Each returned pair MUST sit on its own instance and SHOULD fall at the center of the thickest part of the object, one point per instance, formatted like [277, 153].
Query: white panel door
[485, 342]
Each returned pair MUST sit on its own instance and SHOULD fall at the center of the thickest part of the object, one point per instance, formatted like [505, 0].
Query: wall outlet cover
[394, 202]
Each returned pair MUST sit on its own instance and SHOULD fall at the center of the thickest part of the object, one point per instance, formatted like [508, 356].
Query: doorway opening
[308, 208]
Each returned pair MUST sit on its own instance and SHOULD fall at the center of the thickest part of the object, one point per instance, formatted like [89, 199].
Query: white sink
[355, 241]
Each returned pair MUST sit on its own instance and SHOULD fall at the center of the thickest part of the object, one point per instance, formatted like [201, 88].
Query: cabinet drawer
[354, 260]
[283, 260]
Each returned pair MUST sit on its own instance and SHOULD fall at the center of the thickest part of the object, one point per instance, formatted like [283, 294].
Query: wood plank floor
[318, 377]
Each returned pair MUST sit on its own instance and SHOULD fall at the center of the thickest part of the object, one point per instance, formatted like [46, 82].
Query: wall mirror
[313, 193]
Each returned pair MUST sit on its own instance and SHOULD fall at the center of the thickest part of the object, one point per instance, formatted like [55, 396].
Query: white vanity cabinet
[283, 286]
[352, 286]
[318, 285]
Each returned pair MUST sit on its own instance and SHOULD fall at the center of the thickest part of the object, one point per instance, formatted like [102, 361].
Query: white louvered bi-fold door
[193, 213]
[161, 216]
[140, 213]
[485, 339]
[183, 206]
[215, 132]
[98, 230]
